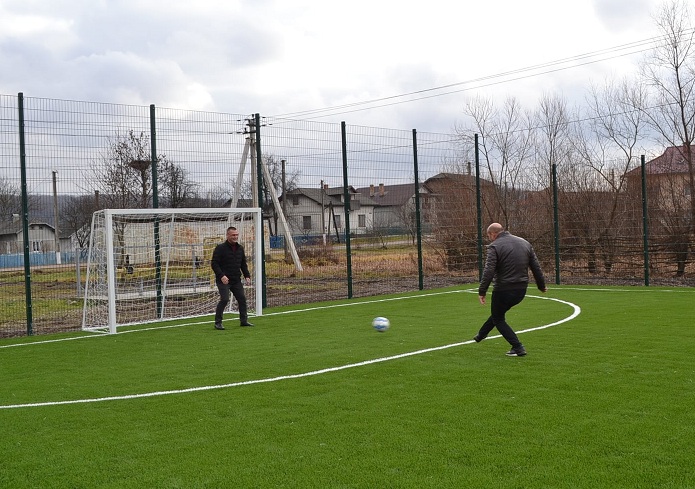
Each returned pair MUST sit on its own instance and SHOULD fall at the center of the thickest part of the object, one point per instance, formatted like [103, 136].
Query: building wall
[41, 238]
[309, 211]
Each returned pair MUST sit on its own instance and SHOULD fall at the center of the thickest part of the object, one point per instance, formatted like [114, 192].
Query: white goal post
[147, 265]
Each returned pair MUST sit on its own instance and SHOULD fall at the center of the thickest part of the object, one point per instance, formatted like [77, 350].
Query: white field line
[688, 290]
[575, 313]
[97, 334]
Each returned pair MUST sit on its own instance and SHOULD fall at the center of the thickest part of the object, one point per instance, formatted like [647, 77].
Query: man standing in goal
[229, 264]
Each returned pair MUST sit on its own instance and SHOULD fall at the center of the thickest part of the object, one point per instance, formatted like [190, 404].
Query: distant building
[41, 238]
[394, 206]
[317, 211]
[667, 179]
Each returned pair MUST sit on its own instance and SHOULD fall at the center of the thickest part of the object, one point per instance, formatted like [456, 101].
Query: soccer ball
[381, 324]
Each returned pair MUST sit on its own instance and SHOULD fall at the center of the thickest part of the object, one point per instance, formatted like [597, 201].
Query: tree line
[590, 149]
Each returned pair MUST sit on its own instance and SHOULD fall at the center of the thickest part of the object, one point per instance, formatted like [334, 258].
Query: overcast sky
[285, 57]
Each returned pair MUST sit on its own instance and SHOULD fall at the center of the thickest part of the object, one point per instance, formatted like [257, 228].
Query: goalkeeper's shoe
[219, 326]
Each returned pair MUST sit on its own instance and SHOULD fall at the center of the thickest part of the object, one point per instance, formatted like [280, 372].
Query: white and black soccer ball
[381, 324]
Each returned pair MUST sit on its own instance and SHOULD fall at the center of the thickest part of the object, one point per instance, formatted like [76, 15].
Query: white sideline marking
[576, 311]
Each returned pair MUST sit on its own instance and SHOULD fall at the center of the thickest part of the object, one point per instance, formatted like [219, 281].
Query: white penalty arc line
[575, 313]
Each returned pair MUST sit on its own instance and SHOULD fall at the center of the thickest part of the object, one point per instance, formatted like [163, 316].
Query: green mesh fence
[339, 203]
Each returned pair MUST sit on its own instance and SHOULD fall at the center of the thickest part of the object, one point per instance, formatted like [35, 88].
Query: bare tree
[406, 217]
[605, 147]
[274, 166]
[76, 216]
[553, 142]
[669, 71]
[219, 194]
[175, 187]
[450, 210]
[122, 174]
[123, 177]
[10, 200]
[553, 151]
[669, 218]
[505, 147]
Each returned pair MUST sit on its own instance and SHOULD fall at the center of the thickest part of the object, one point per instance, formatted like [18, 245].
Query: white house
[394, 206]
[41, 238]
[377, 208]
[319, 211]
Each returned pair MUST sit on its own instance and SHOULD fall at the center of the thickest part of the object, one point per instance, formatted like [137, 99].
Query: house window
[295, 200]
[36, 246]
[306, 223]
[354, 202]
[336, 219]
[361, 221]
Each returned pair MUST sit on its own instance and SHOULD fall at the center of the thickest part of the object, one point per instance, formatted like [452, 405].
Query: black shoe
[478, 339]
[516, 352]
[219, 326]
[246, 323]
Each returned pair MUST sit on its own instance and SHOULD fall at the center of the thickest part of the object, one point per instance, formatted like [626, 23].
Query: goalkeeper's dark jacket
[230, 262]
[508, 260]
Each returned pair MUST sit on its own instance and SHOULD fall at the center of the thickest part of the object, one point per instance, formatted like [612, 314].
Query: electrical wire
[485, 81]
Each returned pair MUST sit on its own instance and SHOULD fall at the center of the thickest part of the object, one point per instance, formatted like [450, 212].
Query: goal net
[148, 265]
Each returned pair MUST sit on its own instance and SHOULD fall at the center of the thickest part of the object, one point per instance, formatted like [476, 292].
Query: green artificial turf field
[316, 398]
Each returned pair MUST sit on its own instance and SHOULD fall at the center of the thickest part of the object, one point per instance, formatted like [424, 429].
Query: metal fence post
[346, 206]
[556, 225]
[25, 214]
[155, 205]
[418, 225]
[645, 222]
[259, 173]
[478, 209]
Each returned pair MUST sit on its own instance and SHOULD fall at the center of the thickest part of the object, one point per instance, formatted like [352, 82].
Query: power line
[485, 81]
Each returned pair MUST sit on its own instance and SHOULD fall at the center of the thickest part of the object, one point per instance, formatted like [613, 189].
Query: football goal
[148, 265]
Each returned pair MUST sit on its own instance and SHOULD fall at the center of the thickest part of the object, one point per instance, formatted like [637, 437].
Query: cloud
[624, 15]
[278, 57]
[128, 78]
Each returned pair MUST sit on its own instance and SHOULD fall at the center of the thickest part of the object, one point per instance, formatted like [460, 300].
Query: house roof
[242, 203]
[671, 161]
[392, 195]
[16, 227]
[317, 194]
[456, 178]
[331, 195]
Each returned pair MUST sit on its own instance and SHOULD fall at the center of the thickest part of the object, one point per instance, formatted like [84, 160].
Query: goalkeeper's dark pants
[502, 301]
[237, 289]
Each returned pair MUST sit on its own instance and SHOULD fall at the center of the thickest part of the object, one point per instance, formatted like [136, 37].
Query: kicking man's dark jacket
[509, 258]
